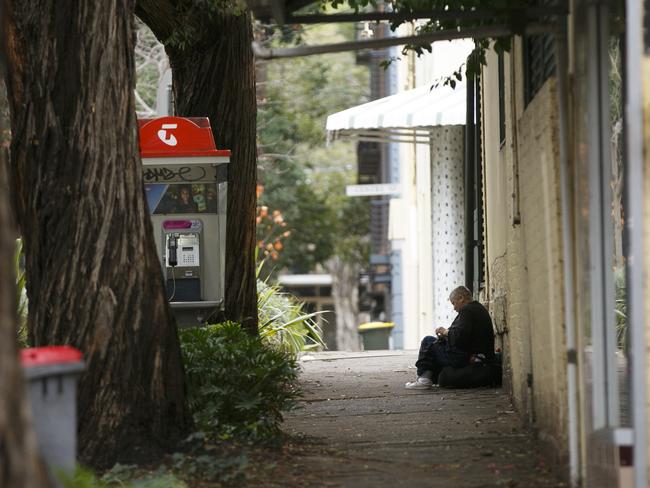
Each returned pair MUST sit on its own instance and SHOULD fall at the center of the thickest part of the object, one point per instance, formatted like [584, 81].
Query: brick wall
[507, 287]
[541, 227]
[523, 255]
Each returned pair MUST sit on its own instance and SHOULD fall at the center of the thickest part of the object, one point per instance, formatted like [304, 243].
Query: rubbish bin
[51, 374]
[376, 335]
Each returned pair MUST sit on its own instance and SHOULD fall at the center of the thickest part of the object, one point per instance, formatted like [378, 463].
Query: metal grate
[369, 162]
[646, 26]
[539, 58]
[379, 227]
[502, 100]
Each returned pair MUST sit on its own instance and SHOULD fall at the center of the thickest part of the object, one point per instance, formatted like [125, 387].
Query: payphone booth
[185, 180]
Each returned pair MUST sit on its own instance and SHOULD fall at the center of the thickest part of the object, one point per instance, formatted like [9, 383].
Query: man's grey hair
[460, 292]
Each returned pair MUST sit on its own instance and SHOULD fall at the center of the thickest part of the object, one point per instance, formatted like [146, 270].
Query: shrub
[119, 475]
[237, 385]
[202, 460]
[283, 322]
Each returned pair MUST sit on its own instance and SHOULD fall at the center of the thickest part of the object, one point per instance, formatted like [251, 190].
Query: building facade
[564, 137]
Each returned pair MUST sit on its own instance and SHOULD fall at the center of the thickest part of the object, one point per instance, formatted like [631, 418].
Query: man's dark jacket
[472, 332]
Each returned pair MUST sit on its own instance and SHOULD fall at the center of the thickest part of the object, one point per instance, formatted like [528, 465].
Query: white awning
[401, 117]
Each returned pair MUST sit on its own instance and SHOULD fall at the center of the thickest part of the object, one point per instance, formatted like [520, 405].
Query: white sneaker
[421, 383]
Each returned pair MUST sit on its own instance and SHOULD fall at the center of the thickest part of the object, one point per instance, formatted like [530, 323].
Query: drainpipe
[469, 185]
[567, 252]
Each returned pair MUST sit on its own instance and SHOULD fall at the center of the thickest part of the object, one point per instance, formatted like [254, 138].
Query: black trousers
[436, 354]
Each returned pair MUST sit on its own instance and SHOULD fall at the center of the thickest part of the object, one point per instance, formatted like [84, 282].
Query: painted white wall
[409, 247]
[423, 238]
[163, 95]
[445, 58]
[448, 218]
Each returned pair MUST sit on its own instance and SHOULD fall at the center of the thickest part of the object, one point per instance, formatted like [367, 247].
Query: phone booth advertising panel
[185, 181]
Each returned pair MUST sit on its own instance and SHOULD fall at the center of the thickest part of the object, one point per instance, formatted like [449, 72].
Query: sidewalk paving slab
[367, 430]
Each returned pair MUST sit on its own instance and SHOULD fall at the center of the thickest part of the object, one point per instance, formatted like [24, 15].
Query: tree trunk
[93, 277]
[218, 81]
[345, 291]
[19, 463]
[215, 78]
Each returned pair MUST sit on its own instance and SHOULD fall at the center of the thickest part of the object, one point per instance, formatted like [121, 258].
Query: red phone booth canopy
[179, 137]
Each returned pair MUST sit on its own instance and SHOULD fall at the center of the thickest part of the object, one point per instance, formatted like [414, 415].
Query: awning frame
[419, 135]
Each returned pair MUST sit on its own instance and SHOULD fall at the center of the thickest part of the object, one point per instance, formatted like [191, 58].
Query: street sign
[372, 190]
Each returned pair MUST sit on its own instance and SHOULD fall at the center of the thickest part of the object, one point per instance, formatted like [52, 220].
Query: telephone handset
[182, 259]
[172, 246]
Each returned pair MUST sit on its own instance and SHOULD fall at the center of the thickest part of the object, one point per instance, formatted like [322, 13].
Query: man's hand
[441, 332]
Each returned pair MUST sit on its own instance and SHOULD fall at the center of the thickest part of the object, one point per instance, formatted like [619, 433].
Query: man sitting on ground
[469, 340]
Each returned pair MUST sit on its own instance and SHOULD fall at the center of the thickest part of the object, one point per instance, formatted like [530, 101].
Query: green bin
[376, 335]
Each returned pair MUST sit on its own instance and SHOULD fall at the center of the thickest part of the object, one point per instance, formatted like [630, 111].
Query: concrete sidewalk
[372, 432]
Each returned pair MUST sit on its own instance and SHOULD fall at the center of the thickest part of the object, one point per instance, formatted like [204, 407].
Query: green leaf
[238, 385]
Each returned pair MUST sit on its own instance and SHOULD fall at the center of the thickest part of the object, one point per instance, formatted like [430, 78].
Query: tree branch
[160, 15]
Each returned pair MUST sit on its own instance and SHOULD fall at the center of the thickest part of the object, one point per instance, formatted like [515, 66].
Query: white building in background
[424, 126]
[164, 96]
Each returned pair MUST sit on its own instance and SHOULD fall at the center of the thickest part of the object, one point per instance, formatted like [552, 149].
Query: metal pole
[599, 269]
[567, 262]
[444, 35]
[440, 15]
[469, 186]
[634, 203]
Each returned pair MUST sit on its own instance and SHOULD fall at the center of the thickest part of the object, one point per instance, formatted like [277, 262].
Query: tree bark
[19, 462]
[93, 277]
[215, 78]
[345, 291]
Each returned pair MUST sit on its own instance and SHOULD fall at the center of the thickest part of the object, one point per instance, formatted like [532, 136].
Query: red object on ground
[45, 356]
[177, 136]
